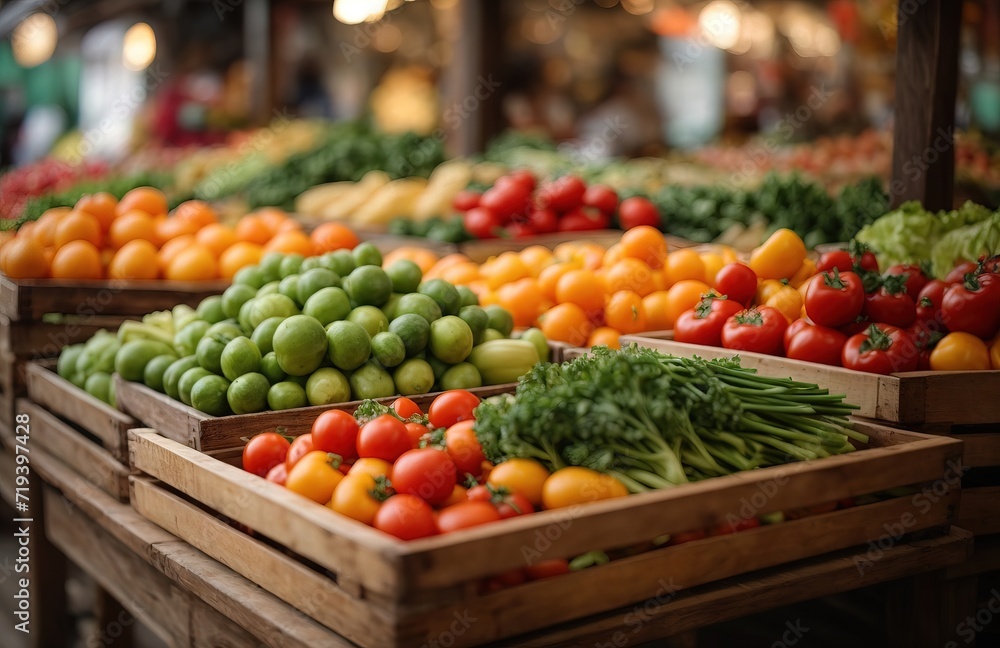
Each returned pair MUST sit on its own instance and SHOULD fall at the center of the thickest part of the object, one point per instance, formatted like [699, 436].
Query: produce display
[135, 238]
[595, 428]
[19, 186]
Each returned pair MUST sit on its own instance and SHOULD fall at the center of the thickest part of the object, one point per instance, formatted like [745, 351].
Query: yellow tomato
[578, 485]
[353, 497]
[805, 271]
[995, 352]
[960, 352]
[767, 289]
[524, 476]
[370, 466]
[788, 301]
[713, 262]
[780, 255]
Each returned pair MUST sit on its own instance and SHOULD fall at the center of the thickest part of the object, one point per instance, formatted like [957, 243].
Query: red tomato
[466, 514]
[973, 306]
[523, 177]
[863, 257]
[406, 516]
[336, 431]
[513, 505]
[416, 432]
[563, 194]
[547, 568]
[737, 282]
[758, 329]
[482, 223]
[817, 344]
[583, 220]
[465, 200]
[545, 221]
[859, 325]
[703, 323]
[957, 274]
[278, 474]
[462, 444]
[601, 197]
[428, 473]
[451, 407]
[263, 452]
[794, 329]
[925, 335]
[519, 230]
[734, 527]
[406, 408]
[890, 304]
[835, 299]
[839, 259]
[636, 211]
[300, 447]
[882, 350]
[384, 437]
[915, 277]
[929, 300]
[505, 198]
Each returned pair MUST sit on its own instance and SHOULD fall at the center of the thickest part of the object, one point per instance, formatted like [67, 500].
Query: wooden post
[257, 43]
[923, 154]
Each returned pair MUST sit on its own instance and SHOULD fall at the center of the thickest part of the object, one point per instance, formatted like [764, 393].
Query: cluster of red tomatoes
[856, 317]
[517, 206]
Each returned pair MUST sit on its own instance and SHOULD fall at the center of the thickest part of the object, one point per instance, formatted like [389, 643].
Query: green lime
[289, 287]
[349, 345]
[234, 297]
[477, 319]
[152, 377]
[405, 276]
[369, 285]
[271, 306]
[271, 369]
[315, 280]
[66, 366]
[300, 345]
[248, 393]
[173, 375]
[370, 318]
[309, 263]
[389, 308]
[99, 383]
[210, 348]
[461, 376]
[241, 356]
[466, 297]
[388, 349]
[298, 380]
[492, 334]
[286, 395]
[500, 319]
[270, 266]
[414, 376]
[366, 254]
[371, 381]
[290, 265]
[186, 340]
[451, 339]
[244, 317]
[269, 288]
[341, 262]
[210, 309]
[328, 305]
[133, 356]
[418, 304]
[327, 386]
[263, 335]
[414, 330]
[209, 395]
[98, 354]
[225, 327]
[536, 337]
[439, 367]
[187, 381]
[444, 294]
[252, 276]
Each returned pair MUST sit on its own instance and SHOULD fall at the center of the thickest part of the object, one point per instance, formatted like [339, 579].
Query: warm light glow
[138, 47]
[720, 23]
[353, 12]
[34, 40]
[388, 38]
[638, 7]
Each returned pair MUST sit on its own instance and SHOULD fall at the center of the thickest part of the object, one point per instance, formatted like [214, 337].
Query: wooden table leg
[114, 621]
[929, 611]
[47, 569]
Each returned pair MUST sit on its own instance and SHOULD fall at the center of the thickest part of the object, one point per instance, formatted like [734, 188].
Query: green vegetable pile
[654, 420]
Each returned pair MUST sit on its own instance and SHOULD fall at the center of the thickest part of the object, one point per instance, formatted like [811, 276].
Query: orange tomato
[171, 227]
[23, 258]
[253, 230]
[630, 274]
[614, 254]
[566, 323]
[461, 273]
[647, 244]
[132, 261]
[787, 301]
[101, 205]
[550, 276]
[604, 336]
[334, 236]
[131, 226]
[44, 231]
[682, 296]
[172, 247]
[684, 264]
[713, 262]
[78, 226]
[216, 237]
[657, 316]
[290, 243]
[77, 260]
[779, 256]
[506, 268]
[147, 199]
[581, 287]
[536, 258]
[625, 312]
[239, 255]
[805, 271]
[198, 213]
[524, 299]
[274, 219]
[195, 263]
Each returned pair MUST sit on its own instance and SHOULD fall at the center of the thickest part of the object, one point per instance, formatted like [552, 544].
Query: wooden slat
[172, 418]
[91, 461]
[979, 511]
[63, 398]
[8, 463]
[981, 449]
[32, 340]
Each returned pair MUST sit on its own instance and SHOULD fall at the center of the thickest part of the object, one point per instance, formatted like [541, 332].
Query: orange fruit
[217, 238]
[101, 205]
[536, 258]
[196, 212]
[172, 248]
[713, 262]
[194, 263]
[566, 323]
[625, 312]
[682, 296]
[524, 299]
[44, 230]
[274, 218]
[147, 199]
[684, 264]
[135, 260]
[462, 274]
[440, 266]
[550, 276]
[288, 225]
[655, 305]
[77, 260]
[334, 236]
[30, 230]
[77, 226]
[630, 274]
[581, 287]
[239, 255]
[291, 242]
[253, 230]
[585, 253]
[604, 336]
[505, 269]
[171, 227]
[132, 226]
[614, 254]
[23, 258]
[645, 243]
[423, 257]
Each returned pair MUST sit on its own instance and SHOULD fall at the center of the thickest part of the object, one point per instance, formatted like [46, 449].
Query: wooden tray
[385, 592]
[184, 424]
[912, 398]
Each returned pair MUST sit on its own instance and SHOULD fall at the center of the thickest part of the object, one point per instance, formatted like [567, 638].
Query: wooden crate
[379, 591]
[184, 424]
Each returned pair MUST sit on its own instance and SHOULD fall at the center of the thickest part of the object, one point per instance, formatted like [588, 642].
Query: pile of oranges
[582, 294]
[135, 238]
